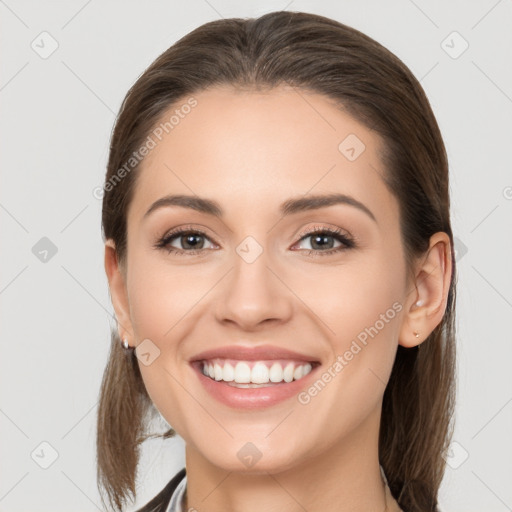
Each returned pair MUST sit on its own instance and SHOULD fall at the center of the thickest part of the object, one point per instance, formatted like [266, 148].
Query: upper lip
[257, 353]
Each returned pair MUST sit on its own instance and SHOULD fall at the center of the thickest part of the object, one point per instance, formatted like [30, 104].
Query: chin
[249, 460]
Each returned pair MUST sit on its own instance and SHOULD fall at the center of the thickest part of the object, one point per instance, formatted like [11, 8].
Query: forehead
[249, 147]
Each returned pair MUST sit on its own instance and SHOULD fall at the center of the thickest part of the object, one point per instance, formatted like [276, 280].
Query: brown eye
[188, 241]
[191, 241]
[323, 240]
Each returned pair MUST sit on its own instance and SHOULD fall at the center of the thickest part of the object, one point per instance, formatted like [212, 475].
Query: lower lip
[252, 398]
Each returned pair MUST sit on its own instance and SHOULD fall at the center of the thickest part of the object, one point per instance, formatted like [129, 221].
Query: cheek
[360, 307]
[346, 299]
[161, 295]
[161, 304]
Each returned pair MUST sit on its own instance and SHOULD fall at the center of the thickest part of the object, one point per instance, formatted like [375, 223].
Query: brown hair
[321, 55]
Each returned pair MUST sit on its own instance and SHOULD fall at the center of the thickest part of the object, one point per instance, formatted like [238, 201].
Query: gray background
[57, 114]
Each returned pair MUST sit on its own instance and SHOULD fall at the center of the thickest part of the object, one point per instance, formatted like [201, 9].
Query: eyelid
[185, 228]
[323, 228]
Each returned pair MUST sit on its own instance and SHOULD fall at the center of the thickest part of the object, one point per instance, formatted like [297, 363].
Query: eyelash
[317, 230]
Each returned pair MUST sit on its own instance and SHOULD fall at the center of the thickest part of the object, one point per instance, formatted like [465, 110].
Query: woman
[280, 260]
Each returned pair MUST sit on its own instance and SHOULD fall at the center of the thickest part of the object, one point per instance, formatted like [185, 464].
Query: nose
[254, 295]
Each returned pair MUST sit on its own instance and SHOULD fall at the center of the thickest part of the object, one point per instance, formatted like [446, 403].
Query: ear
[426, 305]
[117, 284]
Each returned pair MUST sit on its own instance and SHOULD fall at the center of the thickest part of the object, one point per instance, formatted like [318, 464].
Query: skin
[251, 151]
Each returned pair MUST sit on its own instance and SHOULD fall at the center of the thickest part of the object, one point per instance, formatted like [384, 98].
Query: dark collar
[160, 502]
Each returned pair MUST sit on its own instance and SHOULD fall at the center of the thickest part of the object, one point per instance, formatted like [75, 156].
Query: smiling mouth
[255, 374]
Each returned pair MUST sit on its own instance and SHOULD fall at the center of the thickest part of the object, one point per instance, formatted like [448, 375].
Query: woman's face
[255, 277]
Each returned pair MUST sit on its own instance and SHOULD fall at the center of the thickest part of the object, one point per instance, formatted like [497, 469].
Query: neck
[344, 478]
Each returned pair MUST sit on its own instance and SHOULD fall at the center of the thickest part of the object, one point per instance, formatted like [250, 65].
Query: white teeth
[276, 373]
[288, 372]
[228, 373]
[297, 373]
[260, 373]
[217, 370]
[242, 373]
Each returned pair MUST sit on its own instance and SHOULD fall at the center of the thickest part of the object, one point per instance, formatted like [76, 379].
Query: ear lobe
[116, 276]
[427, 304]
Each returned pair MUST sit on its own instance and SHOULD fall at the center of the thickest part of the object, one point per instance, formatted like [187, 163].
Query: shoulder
[160, 502]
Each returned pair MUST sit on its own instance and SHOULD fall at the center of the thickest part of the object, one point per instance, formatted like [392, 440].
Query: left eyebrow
[315, 202]
[289, 207]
